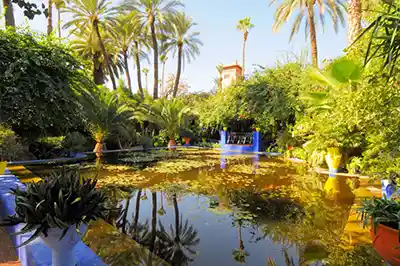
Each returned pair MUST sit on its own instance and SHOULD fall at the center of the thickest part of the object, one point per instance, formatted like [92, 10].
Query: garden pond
[201, 207]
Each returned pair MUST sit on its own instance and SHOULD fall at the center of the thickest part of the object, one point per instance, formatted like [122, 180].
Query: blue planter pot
[388, 188]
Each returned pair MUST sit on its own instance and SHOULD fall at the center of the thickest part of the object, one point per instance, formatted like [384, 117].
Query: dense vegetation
[48, 89]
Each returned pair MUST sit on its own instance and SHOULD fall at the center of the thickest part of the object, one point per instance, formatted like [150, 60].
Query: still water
[204, 208]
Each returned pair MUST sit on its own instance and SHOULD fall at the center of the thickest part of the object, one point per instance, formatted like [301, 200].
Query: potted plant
[169, 115]
[187, 136]
[58, 209]
[384, 215]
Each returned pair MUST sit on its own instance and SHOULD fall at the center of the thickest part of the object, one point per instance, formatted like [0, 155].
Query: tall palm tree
[244, 25]
[9, 14]
[163, 59]
[145, 71]
[306, 10]
[140, 42]
[94, 14]
[59, 4]
[86, 43]
[354, 18]
[124, 34]
[152, 13]
[50, 17]
[179, 39]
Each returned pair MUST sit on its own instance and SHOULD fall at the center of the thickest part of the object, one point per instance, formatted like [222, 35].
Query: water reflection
[257, 212]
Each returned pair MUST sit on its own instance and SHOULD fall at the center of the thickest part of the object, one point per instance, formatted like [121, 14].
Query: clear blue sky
[217, 21]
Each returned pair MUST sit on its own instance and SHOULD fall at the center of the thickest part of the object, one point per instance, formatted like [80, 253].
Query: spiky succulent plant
[60, 200]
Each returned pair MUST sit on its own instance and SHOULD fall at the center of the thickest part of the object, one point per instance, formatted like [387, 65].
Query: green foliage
[59, 201]
[10, 147]
[56, 142]
[103, 110]
[37, 79]
[384, 41]
[170, 115]
[75, 142]
[380, 211]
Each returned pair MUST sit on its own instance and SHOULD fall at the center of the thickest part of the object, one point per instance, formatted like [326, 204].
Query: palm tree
[152, 13]
[181, 40]
[145, 71]
[93, 13]
[124, 34]
[170, 115]
[104, 113]
[50, 17]
[9, 13]
[354, 18]
[240, 254]
[306, 10]
[163, 59]
[59, 4]
[244, 25]
[177, 245]
[86, 43]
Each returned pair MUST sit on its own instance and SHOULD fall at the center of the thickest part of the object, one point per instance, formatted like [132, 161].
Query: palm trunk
[313, 36]
[138, 70]
[153, 221]
[124, 220]
[162, 78]
[137, 208]
[175, 203]
[103, 50]
[155, 52]
[243, 51]
[354, 18]
[178, 71]
[59, 22]
[128, 76]
[241, 246]
[98, 73]
[50, 18]
[9, 15]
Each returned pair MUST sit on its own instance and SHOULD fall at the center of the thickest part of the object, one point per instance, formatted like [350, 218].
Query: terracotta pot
[187, 140]
[386, 243]
[172, 145]
[98, 149]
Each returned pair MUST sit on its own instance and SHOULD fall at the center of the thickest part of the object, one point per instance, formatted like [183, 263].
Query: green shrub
[146, 142]
[75, 142]
[38, 76]
[10, 147]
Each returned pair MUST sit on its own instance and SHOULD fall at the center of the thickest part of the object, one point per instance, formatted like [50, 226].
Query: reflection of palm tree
[240, 254]
[161, 211]
[176, 246]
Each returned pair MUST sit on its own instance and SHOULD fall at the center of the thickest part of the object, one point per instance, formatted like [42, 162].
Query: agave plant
[381, 211]
[60, 200]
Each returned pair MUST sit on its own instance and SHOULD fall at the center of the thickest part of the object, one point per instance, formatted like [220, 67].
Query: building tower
[231, 74]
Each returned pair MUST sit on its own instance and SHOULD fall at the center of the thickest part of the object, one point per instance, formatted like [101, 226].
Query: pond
[200, 207]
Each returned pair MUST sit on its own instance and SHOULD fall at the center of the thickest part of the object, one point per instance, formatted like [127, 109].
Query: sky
[217, 20]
